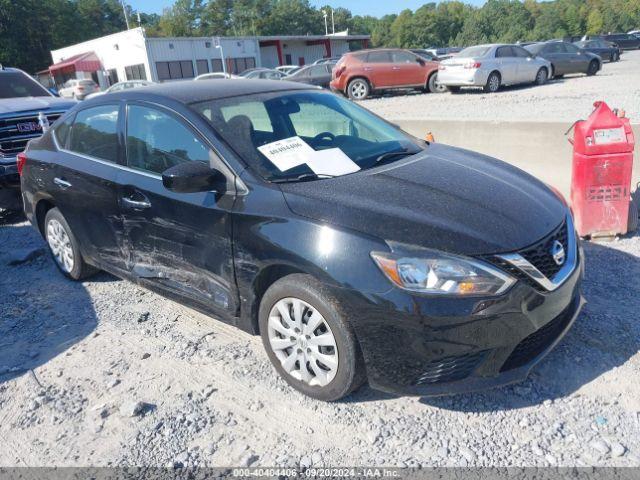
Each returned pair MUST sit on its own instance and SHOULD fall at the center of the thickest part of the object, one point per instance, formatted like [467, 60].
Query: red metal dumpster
[601, 176]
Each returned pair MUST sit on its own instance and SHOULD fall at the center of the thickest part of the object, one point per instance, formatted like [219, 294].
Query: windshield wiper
[404, 152]
[305, 177]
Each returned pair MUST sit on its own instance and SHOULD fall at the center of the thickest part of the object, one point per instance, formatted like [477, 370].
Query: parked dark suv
[22, 100]
[624, 40]
[356, 251]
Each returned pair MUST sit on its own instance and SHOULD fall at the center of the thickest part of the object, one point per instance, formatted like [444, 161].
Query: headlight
[443, 274]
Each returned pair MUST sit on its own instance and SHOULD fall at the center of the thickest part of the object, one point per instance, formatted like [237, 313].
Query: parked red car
[360, 73]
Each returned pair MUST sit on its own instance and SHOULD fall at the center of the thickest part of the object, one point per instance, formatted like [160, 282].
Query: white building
[132, 55]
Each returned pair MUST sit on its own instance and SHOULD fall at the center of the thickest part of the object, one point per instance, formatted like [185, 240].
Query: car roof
[190, 91]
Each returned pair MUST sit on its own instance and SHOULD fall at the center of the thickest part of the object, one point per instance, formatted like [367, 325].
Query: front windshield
[349, 136]
[16, 84]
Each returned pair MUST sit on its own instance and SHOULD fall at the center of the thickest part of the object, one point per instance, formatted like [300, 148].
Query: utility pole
[218, 44]
[326, 28]
[126, 17]
[333, 25]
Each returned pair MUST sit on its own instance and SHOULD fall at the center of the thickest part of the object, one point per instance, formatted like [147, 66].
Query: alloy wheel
[60, 245]
[303, 342]
[358, 90]
[494, 83]
[541, 77]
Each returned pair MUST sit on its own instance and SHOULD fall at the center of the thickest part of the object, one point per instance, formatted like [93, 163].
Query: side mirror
[420, 61]
[53, 92]
[191, 177]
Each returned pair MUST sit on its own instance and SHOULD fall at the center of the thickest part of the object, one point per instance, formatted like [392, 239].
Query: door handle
[395, 68]
[63, 184]
[136, 204]
[368, 69]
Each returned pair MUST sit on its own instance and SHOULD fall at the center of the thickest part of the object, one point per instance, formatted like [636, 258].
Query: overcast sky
[357, 7]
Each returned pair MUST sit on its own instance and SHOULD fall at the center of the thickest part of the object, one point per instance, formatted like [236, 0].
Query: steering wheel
[322, 135]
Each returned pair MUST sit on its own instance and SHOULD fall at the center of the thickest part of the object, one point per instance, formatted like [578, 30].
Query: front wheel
[593, 68]
[64, 247]
[433, 86]
[358, 89]
[541, 76]
[493, 83]
[308, 339]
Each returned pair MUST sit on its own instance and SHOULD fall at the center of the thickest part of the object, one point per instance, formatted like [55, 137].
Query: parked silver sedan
[491, 66]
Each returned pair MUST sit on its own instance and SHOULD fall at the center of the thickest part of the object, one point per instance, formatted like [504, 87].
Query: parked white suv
[78, 89]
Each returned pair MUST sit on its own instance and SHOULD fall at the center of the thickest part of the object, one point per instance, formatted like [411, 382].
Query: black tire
[433, 86]
[593, 68]
[358, 89]
[541, 76]
[80, 268]
[453, 89]
[493, 83]
[350, 372]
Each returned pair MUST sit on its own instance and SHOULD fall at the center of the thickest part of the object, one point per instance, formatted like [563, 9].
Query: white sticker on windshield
[331, 161]
[287, 153]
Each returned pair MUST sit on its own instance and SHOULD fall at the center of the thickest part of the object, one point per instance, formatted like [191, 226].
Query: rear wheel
[593, 68]
[64, 247]
[493, 83]
[542, 76]
[358, 89]
[308, 339]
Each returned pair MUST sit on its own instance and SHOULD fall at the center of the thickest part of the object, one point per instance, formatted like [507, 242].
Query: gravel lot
[104, 373]
[567, 99]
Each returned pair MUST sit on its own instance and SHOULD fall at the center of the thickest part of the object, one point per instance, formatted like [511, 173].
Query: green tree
[595, 22]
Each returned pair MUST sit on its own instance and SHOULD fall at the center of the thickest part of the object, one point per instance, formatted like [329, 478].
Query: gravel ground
[104, 373]
[567, 99]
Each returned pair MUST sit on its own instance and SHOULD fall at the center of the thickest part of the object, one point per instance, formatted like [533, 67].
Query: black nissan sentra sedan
[358, 252]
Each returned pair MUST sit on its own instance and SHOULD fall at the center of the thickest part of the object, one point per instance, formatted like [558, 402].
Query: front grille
[12, 139]
[539, 255]
[537, 342]
[450, 369]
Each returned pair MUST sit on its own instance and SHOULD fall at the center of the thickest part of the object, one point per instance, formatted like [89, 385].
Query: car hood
[443, 198]
[24, 104]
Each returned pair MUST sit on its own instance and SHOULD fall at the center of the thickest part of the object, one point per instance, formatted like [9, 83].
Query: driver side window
[94, 133]
[157, 141]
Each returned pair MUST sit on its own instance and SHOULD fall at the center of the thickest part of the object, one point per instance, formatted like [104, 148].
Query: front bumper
[462, 77]
[431, 346]
[9, 184]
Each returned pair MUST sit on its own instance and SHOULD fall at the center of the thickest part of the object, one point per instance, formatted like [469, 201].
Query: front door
[85, 182]
[178, 242]
[407, 70]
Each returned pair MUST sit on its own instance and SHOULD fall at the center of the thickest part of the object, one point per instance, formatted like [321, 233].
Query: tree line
[29, 29]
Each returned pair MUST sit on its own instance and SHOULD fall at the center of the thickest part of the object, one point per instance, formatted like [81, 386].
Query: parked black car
[624, 40]
[607, 51]
[356, 251]
[566, 58]
[319, 74]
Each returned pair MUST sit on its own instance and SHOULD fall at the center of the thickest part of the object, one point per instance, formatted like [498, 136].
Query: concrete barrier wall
[541, 149]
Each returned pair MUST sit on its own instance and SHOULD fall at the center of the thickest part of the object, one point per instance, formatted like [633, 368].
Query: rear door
[85, 183]
[556, 54]
[179, 242]
[377, 68]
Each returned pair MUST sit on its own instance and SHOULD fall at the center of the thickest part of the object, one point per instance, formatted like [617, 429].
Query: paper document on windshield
[331, 161]
[287, 153]
[294, 151]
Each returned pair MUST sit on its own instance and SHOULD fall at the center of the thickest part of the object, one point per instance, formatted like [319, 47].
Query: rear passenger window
[504, 52]
[402, 57]
[94, 132]
[61, 131]
[378, 57]
[157, 141]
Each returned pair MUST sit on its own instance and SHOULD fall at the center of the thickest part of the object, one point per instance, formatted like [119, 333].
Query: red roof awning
[84, 62]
